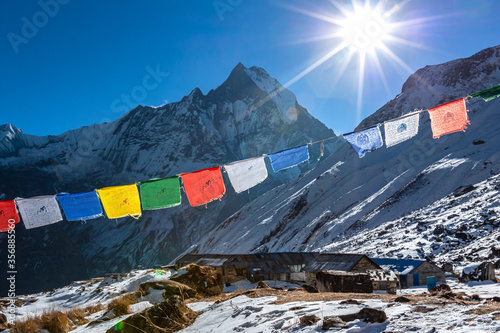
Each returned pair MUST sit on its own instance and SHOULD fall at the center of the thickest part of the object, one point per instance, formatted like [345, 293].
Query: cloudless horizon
[67, 64]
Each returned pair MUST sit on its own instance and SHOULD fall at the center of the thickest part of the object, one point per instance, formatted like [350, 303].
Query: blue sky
[68, 63]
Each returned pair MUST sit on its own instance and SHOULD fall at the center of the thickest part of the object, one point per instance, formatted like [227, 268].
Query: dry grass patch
[77, 316]
[55, 322]
[93, 309]
[29, 325]
[485, 309]
[302, 295]
[121, 305]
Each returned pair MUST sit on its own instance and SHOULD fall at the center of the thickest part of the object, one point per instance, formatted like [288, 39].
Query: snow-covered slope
[379, 203]
[242, 118]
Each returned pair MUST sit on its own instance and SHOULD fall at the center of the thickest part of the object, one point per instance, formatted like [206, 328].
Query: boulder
[332, 322]
[170, 288]
[367, 314]
[350, 301]
[447, 267]
[168, 316]
[423, 309]
[372, 315]
[495, 251]
[401, 299]
[204, 279]
[442, 288]
[309, 320]
[478, 272]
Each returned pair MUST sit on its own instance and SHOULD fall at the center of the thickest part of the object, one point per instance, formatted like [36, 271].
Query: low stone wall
[343, 282]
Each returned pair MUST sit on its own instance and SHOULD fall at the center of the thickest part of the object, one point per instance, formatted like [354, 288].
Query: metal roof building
[345, 262]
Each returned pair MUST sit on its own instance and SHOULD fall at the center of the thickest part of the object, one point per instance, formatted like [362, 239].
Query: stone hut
[412, 272]
[340, 272]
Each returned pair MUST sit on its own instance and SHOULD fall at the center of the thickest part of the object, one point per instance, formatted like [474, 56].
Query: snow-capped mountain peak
[237, 120]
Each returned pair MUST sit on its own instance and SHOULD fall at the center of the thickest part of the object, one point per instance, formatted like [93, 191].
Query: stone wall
[343, 282]
[425, 270]
[364, 265]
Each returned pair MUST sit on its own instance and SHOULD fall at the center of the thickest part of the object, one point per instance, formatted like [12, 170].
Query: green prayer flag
[160, 193]
[488, 94]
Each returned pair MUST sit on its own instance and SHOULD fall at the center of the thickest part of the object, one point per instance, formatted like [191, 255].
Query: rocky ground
[194, 299]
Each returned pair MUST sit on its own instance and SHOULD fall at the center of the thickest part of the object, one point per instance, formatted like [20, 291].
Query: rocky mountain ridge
[248, 115]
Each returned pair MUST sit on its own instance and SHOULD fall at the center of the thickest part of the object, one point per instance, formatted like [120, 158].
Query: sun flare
[364, 29]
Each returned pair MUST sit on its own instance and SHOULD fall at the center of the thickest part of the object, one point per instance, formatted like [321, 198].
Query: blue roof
[398, 266]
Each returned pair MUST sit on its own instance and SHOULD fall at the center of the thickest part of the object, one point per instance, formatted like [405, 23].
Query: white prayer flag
[246, 174]
[399, 130]
[39, 211]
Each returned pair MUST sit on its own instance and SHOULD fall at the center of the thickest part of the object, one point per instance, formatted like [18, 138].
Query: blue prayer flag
[80, 206]
[365, 140]
[288, 158]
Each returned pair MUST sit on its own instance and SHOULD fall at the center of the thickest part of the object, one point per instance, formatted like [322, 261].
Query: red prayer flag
[8, 215]
[448, 118]
[203, 186]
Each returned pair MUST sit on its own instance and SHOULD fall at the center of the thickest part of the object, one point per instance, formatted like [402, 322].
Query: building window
[296, 268]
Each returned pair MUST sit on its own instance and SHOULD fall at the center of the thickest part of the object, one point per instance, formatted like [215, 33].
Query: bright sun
[364, 29]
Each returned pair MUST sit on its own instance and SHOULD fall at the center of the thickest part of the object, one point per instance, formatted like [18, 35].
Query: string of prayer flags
[8, 215]
[160, 193]
[244, 175]
[488, 94]
[365, 140]
[121, 201]
[448, 118]
[39, 211]
[80, 206]
[289, 158]
[203, 186]
[206, 185]
[399, 130]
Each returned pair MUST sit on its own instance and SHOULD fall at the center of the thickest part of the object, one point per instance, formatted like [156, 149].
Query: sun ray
[306, 71]
[316, 64]
[396, 58]
[309, 13]
[339, 7]
[408, 43]
[361, 76]
[396, 8]
[378, 66]
[342, 69]
[421, 20]
[316, 38]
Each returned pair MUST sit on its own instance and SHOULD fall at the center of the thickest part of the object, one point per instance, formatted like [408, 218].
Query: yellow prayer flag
[120, 201]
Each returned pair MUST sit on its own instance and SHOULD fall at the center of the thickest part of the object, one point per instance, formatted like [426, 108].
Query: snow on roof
[382, 275]
[398, 266]
[471, 268]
